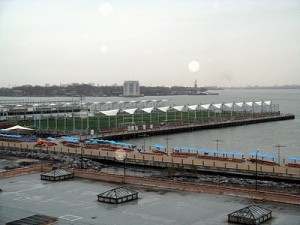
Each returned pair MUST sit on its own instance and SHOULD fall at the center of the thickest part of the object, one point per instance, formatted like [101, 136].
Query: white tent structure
[251, 105]
[165, 109]
[218, 106]
[18, 129]
[60, 111]
[229, 105]
[113, 112]
[206, 107]
[180, 109]
[192, 108]
[148, 110]
[131, 112]
[110, 113]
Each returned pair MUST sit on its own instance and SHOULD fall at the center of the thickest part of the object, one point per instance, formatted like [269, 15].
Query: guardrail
[246, 168]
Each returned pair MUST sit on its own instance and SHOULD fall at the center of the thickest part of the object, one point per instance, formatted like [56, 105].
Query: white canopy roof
[130, 111]
[179, 108]
[229, 105]
[113, 112]
[249, 103]
[258, 103]
[164, 109]
[205, 106]
[218, 106]
[148, 110]
[192, 107]
[240, 104]
[267, 102]
[17, 127]
[67, 104]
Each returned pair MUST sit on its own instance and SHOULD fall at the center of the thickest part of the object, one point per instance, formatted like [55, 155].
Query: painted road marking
[70, 217]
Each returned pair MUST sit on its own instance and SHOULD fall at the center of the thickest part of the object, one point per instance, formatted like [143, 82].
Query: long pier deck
[247, 169]
[164, 130]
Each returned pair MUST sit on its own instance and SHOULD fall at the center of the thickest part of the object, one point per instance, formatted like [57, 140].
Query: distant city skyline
[158, 43]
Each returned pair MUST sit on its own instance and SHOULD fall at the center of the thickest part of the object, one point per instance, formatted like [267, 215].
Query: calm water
[245, 138]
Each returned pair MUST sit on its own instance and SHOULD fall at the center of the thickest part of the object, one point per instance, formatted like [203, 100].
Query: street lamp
[279, 146]
[256, 169]
[144, 136]
[167, 139]
[81, 155]
[217, 140]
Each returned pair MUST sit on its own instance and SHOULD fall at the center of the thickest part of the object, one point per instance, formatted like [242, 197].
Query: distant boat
[212, 93]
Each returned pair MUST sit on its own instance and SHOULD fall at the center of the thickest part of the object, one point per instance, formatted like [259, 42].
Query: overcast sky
[223, 43]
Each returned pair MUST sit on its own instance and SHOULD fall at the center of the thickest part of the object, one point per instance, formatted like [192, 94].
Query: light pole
[217, 140]
[256, 169]
[167, 139]
[278, 147]
[81, 154]
[144, 136]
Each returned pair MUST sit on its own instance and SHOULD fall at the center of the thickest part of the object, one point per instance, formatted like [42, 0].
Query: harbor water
[244, 139]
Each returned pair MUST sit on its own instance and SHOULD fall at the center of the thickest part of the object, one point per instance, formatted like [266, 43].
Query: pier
[117, 134]
[246, 169]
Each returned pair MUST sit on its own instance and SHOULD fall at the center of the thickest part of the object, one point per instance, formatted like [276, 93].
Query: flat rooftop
[75, 202]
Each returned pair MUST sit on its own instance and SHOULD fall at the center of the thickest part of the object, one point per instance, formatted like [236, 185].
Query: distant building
[131, 89]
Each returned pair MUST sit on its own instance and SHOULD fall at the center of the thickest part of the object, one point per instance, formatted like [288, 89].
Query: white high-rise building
[131, 89]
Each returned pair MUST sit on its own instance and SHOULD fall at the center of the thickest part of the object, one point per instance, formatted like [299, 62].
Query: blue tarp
[294, 158]
[183, 148]
[95, 140]
[70, 139]
[219, 152]
[261, 155]
[17, 136]
[123, 144]
[175, 148]
[236, 153]
[51, 139]
[205, 151]
[158, 146]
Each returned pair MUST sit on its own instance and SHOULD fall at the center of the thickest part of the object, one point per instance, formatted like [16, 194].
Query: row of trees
[88, 90]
